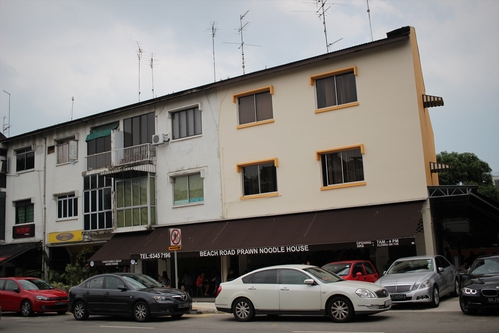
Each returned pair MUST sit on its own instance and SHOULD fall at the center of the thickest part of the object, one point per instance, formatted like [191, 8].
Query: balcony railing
[98, 161]
[122, 156]
[141, 153]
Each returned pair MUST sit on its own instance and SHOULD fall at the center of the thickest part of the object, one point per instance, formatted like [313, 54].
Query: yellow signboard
[175, 248]
[66, 236]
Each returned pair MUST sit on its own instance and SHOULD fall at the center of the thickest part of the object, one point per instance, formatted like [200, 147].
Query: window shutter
[73, 150]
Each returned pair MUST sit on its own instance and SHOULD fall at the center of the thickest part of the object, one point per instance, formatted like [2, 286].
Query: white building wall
[189, 155]
[386, 122]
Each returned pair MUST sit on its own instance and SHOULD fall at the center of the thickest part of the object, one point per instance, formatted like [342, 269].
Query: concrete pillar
[429, 234]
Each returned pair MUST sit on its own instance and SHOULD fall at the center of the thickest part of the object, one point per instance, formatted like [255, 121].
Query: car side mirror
[16, 290]
[359, 274]
[122, 287]
[440, 269]
[310, 282]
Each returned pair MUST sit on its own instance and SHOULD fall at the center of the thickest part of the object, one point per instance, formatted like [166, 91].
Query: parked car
[420, 279]
[362, 270]
[127, 294]
[480, 285]
[299, 289]
[28, 295]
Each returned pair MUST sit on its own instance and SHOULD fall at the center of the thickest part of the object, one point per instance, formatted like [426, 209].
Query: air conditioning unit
[158, 139]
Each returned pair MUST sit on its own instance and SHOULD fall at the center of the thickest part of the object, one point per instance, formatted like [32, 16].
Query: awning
[10, 251]
[101, 131]
[120, 248]
[369, 223]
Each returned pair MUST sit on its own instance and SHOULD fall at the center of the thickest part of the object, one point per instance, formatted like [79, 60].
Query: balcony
[122, 158]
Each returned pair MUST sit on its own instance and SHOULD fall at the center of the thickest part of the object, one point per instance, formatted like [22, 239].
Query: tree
[468, 169]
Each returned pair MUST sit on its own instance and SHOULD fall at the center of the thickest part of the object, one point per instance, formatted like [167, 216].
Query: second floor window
[25, 212]
[97, 207]
[340, 167]
[25, 159]
[188, 189]
[67, 206]
[259, 178]
[138, 130]
[67, 151]
[186, 123]
[255, 107]
[336, 90]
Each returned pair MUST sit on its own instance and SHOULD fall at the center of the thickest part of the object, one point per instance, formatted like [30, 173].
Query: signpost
[175, 245]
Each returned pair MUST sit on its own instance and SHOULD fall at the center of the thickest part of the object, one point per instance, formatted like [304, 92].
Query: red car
[360, 270]
[28, 295]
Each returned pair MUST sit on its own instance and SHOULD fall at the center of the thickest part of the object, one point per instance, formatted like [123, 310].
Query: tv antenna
[322, 14]
[72, 106]
[369, 16]
[139, 56]
[213, 33]
[241, 45]
[6, 126]
[152, 74]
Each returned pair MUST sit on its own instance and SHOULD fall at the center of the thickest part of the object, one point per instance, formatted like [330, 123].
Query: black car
[127, 294]
[480, 285]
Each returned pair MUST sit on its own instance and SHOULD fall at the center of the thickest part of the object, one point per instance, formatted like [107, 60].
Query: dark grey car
[127, 294]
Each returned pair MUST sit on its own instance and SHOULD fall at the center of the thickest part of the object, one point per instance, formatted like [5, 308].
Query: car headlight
[365, 293]
[160, 298]
[469, 291]
[421, 285]
[42, 298]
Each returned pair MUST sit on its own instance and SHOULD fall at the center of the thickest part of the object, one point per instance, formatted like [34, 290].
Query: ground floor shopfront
[379, 233]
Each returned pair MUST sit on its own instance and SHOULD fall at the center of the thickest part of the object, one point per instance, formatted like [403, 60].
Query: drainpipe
[44, 218]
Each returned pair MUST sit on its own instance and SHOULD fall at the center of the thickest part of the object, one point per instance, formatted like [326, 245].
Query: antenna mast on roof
[242, 38]
[6, 126]
[369, 15]
[72, 106]
[152, 75]
[322, 14]
[213, 33]
[139, 55]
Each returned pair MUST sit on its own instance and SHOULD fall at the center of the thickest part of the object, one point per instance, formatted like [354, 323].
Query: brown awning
[120, 248]
[10, 251]
[313, 228]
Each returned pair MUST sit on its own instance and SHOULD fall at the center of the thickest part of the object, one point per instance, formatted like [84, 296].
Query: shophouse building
[311, 161]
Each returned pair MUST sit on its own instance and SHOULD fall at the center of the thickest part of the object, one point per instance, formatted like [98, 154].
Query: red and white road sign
[175, 237]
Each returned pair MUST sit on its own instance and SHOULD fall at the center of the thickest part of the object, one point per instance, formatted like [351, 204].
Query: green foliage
[75, 273]
[467, 169]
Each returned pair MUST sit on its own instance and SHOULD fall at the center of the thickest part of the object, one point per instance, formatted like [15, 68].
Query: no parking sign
[175, 238]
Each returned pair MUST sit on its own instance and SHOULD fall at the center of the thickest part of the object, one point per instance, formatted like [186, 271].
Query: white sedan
[300, 289]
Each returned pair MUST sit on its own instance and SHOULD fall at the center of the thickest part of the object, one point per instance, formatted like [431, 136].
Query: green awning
[101, 131]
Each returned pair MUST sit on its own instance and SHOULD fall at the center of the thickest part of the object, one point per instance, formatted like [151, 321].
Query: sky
[67, 59]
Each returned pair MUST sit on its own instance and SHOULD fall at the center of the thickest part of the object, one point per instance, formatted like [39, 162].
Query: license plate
[493, 300]
[388, 302]
[184, 305]
[60, 303]
[397, 296]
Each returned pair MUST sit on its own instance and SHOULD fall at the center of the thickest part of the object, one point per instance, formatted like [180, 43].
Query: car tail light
[219, 290]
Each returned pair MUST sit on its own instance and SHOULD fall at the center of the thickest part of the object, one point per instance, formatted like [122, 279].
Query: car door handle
[284, 289]
[251, 288]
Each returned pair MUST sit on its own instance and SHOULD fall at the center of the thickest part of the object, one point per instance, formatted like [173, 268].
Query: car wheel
[465, 309]
[435, 302]
[340, 309]
[80, 311]
[457, 289]
[141, 311]
[243, 310]
[26, 308]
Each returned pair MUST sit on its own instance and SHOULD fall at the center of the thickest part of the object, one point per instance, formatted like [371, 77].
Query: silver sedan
[420, 279]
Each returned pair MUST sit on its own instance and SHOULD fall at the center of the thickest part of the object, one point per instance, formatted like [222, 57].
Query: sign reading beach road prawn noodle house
[260, 250]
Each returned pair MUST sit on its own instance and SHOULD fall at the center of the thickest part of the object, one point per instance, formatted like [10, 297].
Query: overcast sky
[52, 51]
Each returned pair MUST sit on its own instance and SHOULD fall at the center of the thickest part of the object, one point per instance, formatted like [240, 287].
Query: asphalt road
[447, 318]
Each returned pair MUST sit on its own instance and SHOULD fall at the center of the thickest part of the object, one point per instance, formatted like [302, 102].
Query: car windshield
[411, 266]
[339, 269]
[485, 266]
[323, 275]
[35, 285]
[142, 281]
